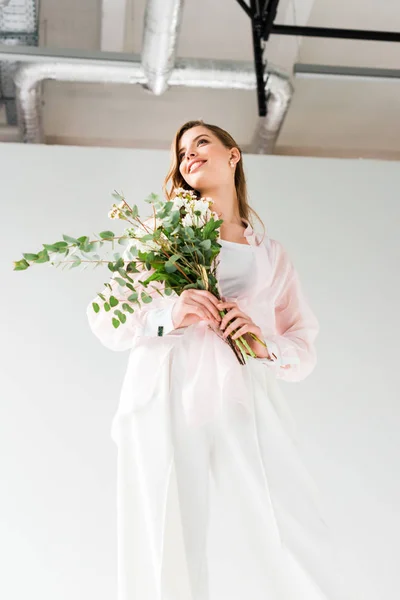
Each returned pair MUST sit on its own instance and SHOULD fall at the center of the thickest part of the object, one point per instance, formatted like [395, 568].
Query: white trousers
[211, 512]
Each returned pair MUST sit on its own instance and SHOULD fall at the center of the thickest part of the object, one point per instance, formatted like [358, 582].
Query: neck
[225, 203]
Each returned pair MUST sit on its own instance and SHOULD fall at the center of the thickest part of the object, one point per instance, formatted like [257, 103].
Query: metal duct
[162, 21]
[18, 26]
[201, 73]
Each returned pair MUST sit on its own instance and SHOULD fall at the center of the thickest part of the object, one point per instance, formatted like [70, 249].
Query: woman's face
[203, 159]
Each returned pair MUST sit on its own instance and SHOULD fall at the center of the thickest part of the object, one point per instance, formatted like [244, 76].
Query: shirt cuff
[158, 321]
[274, 353]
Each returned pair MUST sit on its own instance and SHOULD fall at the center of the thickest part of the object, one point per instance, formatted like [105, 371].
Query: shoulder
[274, 247]
[278, 256]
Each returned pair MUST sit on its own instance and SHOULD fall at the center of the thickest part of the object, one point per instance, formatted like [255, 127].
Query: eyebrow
[196, 138]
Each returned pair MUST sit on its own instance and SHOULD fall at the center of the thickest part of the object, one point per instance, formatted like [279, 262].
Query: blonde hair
[177, 181]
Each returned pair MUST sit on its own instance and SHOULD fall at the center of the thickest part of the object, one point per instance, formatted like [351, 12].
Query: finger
[204, 310]
[204, 314]
[226, 304]
[247, 328]
[206, 294]
[233, 312]
[206, 300]
[234, 325]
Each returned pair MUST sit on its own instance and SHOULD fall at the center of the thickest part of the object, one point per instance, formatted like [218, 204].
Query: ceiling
[336, 116]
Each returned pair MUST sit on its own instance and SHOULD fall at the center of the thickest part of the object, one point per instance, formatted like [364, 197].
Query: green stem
[255, 337]
[251, 352]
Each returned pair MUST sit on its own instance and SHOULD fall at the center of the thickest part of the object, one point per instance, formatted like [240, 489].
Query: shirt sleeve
[159, 317]
[297, 327]
[149, 319]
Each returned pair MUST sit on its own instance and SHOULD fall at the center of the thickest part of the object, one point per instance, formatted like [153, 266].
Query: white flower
[178, 202]
[114, 212]
[187, 220]
[201, 206]
[184, 196]
[192, 220]
[182, 191]
[207, 199]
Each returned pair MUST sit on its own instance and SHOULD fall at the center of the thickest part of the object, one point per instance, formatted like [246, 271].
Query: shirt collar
[249, 233]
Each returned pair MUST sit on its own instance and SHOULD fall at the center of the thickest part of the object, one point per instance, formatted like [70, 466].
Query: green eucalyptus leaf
[91, 247]
[189, 232]
[151, 198]
[106, 234]
[21, 265]
[128, 307]
[70, 240]
[120, 281]
[120, 316]
[123, 241]
[169, 267]
[113, 301]
[96, 307]
[43, 257]
[206, 244]
[132, 267]
[30, 256]
[115, 322]
[145, 297]
[84, 239]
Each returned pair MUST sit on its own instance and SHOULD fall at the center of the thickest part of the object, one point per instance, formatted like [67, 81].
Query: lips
[196, 165]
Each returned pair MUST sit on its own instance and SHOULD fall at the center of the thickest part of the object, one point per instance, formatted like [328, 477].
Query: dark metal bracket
[263, 13]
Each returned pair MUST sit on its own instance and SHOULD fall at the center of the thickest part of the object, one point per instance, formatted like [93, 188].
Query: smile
[196, 166]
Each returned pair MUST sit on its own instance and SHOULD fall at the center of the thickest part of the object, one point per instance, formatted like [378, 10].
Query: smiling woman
[219, 176]
[194, 420]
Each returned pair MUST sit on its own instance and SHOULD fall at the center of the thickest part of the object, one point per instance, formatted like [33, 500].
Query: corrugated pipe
[201, 73]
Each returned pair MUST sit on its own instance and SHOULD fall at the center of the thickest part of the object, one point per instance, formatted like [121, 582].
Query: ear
[235, 154]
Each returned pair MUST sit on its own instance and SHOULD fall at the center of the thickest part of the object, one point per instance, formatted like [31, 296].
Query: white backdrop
[339, 221]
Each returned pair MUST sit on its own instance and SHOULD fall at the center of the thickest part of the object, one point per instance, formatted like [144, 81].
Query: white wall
[59, 386]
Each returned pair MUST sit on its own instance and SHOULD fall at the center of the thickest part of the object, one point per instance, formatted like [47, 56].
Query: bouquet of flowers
[180, 248]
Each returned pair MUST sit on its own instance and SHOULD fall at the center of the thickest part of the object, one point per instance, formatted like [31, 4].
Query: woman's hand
[236, 319]
[193, 306]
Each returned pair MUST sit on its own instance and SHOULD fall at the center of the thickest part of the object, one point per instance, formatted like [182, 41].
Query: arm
[145, 319]
[296, 325]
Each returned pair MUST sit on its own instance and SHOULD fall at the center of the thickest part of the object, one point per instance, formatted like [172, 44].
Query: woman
[214, 502]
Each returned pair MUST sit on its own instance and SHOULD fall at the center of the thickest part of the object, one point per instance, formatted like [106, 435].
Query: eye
[181, 155]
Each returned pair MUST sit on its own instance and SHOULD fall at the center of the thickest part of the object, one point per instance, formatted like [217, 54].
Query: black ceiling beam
[258, 24]
[327, 32]
[262, 14]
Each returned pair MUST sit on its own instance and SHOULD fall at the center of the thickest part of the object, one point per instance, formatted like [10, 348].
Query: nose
[190, 154]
